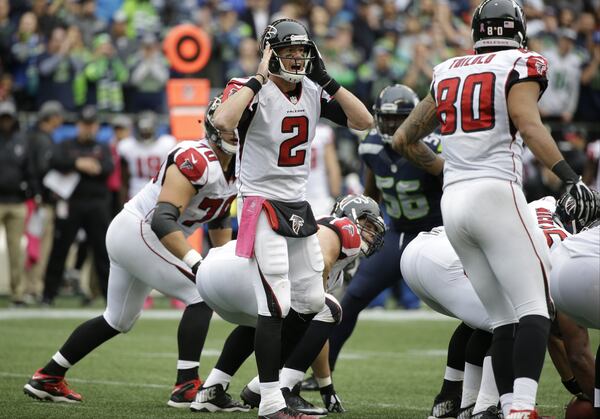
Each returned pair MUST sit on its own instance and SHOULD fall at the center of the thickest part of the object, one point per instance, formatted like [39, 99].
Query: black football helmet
[362, 208]
[498, 24]
[211, 132]
[391, 108]
[284, 33]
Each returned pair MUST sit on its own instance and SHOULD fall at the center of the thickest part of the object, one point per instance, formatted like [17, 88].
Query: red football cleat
[184, 394]
[50, 387]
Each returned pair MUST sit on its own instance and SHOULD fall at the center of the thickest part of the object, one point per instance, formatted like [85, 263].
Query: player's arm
[577, 344]
[407, 138]
[524, 113]
[357, 113]
[228, 114]
[371, 189]
[175, 195]
[330, 247]
[220, 231]
[334, 172]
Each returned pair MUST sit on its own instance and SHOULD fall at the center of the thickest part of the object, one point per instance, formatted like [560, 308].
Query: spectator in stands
[319, 23]
[45, 12]
[6, 88]
[121, 125]
[142, 17]
[57, 69]
[88, 207]
[7, 29]
[589, 102]
[105, 75]
[257, 16]
[87, 22]
[366, 27]
[83, 55]
[374, 75]
[248, 60]
[560, 99]
[342, 60]
[336, 11]
[40, 236]
[25, 48]
[228, 33]
[149, 71]
[418, 75]
[17, 183]
[124, 45]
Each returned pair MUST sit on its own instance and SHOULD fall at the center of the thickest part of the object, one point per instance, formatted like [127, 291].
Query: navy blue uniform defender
[412, 204]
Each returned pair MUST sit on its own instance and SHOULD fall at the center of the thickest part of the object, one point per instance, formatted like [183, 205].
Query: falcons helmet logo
[187, 165]
[349, 228]
[297, 223]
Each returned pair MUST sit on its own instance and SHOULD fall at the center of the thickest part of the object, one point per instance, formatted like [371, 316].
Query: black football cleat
[465, 412]
[310, 384]
[296, 402]
[491, 412]
[216, 399]
[445, 406]
[332, 402]
[250, 398]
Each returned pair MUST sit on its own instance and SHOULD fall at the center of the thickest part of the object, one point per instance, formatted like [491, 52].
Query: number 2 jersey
[411, 195]
[199, 164]
[275, 135]
[471, 102]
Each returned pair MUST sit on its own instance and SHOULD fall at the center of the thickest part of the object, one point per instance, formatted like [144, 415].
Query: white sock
[597, 397]
[289, 377]
[254, 385]
[323, 382]
[488, 392]
[271, 399]
[186, 365]
[506, 403]
[452, 374]
[471, 383]
[61, 360]
[524, 391]
[217, 377]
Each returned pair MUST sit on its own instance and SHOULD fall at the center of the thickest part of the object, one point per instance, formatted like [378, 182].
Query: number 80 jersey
[471, 103]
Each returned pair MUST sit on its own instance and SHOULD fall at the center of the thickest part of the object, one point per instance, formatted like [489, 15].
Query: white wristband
[191, 258]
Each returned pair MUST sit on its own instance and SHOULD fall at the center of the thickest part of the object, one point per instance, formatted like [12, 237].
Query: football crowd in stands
[59, 57]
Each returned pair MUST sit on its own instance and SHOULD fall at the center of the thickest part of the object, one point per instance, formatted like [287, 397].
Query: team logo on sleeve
[536, 66]
[297, 223]
[349, 228]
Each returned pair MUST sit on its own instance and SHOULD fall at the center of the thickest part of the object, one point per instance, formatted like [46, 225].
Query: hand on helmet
[318, 72]
[579, 203]
[263, 66]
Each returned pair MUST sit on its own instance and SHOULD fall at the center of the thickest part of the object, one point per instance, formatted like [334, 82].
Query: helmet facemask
[291, 68]
[387, 124]
[213, 134]
[372, 231]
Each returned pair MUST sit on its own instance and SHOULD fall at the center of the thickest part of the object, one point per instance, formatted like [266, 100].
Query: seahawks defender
[412, 204]
[147, 249]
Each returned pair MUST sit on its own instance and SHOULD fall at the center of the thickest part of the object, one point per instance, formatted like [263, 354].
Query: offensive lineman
[147, 249]
[275, 114]
[487, 107]
[355, 227]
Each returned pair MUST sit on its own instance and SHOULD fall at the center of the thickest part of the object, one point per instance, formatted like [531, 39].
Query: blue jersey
[411, 195]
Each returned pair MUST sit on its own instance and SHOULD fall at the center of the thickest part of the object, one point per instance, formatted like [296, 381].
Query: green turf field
[389, 369]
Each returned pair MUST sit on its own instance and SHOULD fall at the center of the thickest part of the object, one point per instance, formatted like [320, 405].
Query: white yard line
[50, 313]
[103, 382]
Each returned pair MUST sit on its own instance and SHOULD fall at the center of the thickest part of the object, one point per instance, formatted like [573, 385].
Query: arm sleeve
[529, 67]
[332, 110]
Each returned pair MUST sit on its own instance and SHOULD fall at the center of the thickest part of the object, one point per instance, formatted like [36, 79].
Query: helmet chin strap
[227, 148]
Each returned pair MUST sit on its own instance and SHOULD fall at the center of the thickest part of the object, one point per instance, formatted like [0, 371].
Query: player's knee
[311, 300]
[331, 311]
[275, 296]
[533, 308]
[272, 256]
[121, 324]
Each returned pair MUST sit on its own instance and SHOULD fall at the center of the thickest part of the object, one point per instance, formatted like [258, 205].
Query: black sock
[187, 375]
[191, 334]
[84, 339]
[309, 346]
[502, 357]
[293, 330]
[328, 389]
[478, 346]
[267, 347]
[456, 358]
[237, 348]
[530, 346]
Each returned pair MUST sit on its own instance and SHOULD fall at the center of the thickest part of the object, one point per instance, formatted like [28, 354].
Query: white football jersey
[199, 164]
[273, 159]
[470, 94]
[586, 243]
[317, 188]
[144, 159]
[543, 210]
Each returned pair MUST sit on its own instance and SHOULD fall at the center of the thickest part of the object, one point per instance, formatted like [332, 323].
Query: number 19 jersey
[275, 136]
[471, 103]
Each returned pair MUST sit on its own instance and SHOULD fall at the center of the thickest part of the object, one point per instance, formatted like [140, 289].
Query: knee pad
[273, 295]
[123, 325]
[331, 312]
[271, 254]
[310, 299]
